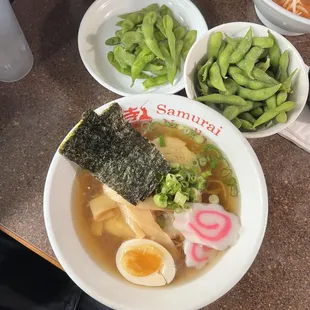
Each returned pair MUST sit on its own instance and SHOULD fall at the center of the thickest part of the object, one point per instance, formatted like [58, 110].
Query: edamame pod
[286, 106]
[218, 99]
[233, 42]
[247, 64]
[223, 59]
[170, 64]
[113, 41]
[262, 42]
[247, 117]
[148, 32]
[286, 85]
[216, 78]
[237, 122]
[131, 37]
[281, 117]
[281, 97]
[242, 48]
[246, 125]
[204, 70]
[257, 112]
[266, 117]
[260, 75]
[214, 44]
[154, 81]
[168, 26]
[189, 40]
[283, 66]
[272, 102]
[274, 53]
[231, 87]
[123, 57]
[258, 95]
[179, 32]
[263, 65]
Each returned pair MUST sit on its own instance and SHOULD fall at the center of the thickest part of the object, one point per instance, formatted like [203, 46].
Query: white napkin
[299, 131]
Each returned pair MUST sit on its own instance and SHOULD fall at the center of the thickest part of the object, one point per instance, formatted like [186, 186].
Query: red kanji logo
[137, 114]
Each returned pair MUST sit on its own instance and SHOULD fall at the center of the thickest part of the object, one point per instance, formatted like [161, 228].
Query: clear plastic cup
[16, 59]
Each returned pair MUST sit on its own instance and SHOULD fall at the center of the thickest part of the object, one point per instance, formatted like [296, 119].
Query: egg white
[163, 276]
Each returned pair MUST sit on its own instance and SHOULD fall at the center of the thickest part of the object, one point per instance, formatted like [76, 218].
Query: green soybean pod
[168, 26]
[214, 44]
[274, 53]
[281, 97]
[247, 64]
[242, 48]
[231, 112]
[285, 106]
[170, 64]
[216, 78]
[179, 32]
[263, 65]
[259, 94]
[123, 57]
[145, 57]
[257, 112]
[263, 42]
[231, 87]
[247, 117]
[164, 10]
[148, 32]
[272, 102]
[119, 34]
[286, 85]
[283, 66]
[189, 40]
[281, 118]
[159, 36]
[204, 70]
[237, 122]
[264, 54]
[113, 41]
[266, 117]
[233, 42]
[178, 50]
[131, 37]
[271, 74]
[222, 99]
[223, 45]
[159, 25]
[246, 125]
[127, 25]
[223, 59]
[260, 75]
[155, 69]
[155, 81]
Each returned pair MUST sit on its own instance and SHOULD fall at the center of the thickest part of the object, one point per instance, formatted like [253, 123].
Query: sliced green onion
[162, 141]
[202, 161]
[206, 174]
[213, 163]
[199, 139]
[180, 198]
[161, 201]
[193, 194]
[214, 199]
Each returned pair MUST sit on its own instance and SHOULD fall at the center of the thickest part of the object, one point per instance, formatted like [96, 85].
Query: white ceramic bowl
[98, 24]
[300, 82]
[279, 19]
[208, 287]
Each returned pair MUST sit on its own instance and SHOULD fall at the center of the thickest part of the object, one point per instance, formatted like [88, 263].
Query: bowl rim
[172, 89]
[250, 259]
[270, 131]
[287, 13]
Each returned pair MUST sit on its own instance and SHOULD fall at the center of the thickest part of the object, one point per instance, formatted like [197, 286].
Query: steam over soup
[179, 230]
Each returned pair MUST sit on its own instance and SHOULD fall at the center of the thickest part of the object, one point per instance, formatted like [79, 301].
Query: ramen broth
[103, 248]
[298, 7]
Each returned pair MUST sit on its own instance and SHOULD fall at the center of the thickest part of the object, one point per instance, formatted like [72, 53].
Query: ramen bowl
[209, 285]
[300, 83]
[279, 19]
[98, 24]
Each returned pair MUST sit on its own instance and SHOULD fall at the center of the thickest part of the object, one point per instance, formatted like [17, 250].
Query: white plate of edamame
[102, 21]
[280, 99]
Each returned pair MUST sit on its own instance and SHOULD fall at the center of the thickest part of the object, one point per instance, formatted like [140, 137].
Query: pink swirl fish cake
[197, 255]
[209, 225]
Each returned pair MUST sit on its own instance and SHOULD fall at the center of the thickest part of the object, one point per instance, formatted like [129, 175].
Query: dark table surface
[37, 112]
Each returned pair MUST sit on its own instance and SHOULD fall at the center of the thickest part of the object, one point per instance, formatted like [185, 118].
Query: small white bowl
[279, 19]
[190, 295]
[300, 82]
[98, 24]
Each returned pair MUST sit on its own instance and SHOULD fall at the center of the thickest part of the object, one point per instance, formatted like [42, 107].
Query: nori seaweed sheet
[116, 154]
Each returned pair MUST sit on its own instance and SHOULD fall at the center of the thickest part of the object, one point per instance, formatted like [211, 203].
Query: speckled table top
[36, 113]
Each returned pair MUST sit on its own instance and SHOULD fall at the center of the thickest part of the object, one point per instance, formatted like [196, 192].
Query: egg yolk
[142, 260]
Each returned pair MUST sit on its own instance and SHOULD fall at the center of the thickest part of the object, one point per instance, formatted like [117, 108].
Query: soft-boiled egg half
[145, 262]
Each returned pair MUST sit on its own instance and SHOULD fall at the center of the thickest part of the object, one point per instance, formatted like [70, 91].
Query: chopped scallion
[199, 139]
[162, 142]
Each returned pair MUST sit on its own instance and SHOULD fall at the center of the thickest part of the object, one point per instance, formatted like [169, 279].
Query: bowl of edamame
[251, 75]
[133, 47]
